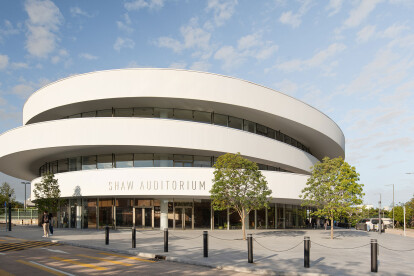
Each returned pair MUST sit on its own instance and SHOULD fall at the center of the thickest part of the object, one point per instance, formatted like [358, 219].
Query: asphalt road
[25, 257]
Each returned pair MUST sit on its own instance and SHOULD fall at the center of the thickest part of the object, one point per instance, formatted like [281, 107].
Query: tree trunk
[332, 225]
[243, 221]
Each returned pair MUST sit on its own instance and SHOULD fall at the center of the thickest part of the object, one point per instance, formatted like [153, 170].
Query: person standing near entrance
[45, 224]
[51, 224]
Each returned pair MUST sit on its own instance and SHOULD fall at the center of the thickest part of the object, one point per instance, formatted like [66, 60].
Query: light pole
[25, 183]
[392, 204]
[379, 216]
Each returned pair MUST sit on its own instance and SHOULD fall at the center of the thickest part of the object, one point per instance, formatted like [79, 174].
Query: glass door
[187, 217]
[143, 217]
[148, 217]
[178, 216]
[138, 218]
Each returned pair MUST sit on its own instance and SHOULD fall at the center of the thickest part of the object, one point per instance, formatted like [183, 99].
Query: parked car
[387, 222]
[369, 224]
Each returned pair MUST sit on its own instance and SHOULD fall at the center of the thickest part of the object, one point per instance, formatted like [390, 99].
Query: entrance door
[143, 217]
[183, 217]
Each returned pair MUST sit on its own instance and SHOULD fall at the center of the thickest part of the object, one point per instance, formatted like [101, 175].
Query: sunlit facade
[135, 147]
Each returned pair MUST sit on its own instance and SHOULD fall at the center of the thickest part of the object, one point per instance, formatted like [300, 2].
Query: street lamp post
[25, 183]
[392, 204]
[379, 216]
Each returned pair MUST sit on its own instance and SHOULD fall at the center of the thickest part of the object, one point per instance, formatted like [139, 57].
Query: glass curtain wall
[124, 212]
[105, 212]
[202, 213]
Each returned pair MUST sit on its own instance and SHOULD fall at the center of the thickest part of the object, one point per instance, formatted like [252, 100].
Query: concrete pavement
[277, 252]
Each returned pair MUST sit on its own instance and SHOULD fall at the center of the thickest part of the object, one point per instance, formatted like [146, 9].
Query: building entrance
[183, 218]
[144, 217]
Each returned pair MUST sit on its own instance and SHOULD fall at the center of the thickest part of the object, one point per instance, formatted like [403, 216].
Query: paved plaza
[277, 252]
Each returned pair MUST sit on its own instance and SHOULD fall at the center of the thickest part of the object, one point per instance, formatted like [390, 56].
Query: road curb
[189, 261]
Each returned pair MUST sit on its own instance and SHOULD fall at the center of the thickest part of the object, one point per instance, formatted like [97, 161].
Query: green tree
[5, 191]
[333, 188]
[47, 193]
[239, 184]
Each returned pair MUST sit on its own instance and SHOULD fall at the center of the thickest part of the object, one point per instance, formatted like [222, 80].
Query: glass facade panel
[144, 112]
[124, 160]
[202, 161]
[220, 219]
[249, 126]
[89, 162]
[271, 133]
[201, 116]
[252, 216]
[163, 160]
[123, 112]
[124, 212]
[261, 130]
[88, 114]
[75, 116]
[183, 160]
[271, 215]
[183, 114]
[170, 215]
[105, 161]
[143, 160]
[104, 113]
[235, 122]
[54, 167]
[75, 164]
[261, 219]
[63, 165]
[220, 119]
[235, 220]
[163, 112]
[202, 213]
[91, 213]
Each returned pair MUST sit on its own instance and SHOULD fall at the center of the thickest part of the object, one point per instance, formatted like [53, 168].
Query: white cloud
[200, 66]
[178, 65]
[4, 61]
[334, 6]
[365, 34]
[43, 24]
[61, 55]
[286, 86]
[25, 88]
[295, 19]
[194, 37]
[88, 56]
[141, 4]
[319, 59]
[222, 10]
[124, 25]
[123, 43]
[393, 31]
[20, 65]
[8, 29]
[249, 46]
[360, 13]
[76, 11]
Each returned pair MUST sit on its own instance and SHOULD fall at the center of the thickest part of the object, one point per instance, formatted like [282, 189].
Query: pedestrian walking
[45, 224]
[51, 224]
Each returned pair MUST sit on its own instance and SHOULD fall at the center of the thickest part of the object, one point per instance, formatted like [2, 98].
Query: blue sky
[353, 60]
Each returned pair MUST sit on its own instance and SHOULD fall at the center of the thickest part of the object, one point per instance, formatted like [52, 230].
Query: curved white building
[136, 146]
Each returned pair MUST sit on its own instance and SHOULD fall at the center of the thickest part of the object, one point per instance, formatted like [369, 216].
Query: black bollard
[165, 239]
[374, 255]
[134, 237]
[249, 248]
[307, 251]
[107, 235]
[205, 243]
[10, 217]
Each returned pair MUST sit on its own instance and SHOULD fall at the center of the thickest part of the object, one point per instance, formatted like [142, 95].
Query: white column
[164, 214]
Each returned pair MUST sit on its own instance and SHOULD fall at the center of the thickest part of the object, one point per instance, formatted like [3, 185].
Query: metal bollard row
[134, 237]
[165, 239]
[306, 246]
[107, 235]
[374, 255]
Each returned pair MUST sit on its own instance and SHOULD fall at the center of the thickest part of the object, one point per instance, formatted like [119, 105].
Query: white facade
[101, 114]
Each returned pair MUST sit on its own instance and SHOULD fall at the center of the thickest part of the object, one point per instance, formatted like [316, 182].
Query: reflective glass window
[220, 120]
[183, 160]
[144, 112]
[105, 161]
[183, 114]
[202, 161]
[262, 130]
[54, 167]
[163, 112]
[262, 166]
[279, 136]
[201, 116]
[249, 126]
[75, 116]
[104, 113]
[143, 160]
[163, 160]
[63, 165]
[271, 133]
[235, 122]
[124, 160]
[89, 162]
[74, 164]
[123, 112]
[89, 114]
[287, 139]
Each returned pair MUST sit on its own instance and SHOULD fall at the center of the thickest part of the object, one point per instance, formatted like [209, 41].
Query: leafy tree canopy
[238, 184]
[47, 193]
[5, 191]
[333, 189]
